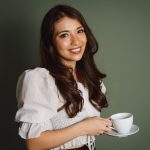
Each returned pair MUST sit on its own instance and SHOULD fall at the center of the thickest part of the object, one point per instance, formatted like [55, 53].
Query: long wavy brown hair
[86, 70]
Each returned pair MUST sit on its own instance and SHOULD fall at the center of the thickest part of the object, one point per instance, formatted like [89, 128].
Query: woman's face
[70, 40]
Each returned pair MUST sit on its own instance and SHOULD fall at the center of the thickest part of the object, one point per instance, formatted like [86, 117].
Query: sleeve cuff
[33, 130]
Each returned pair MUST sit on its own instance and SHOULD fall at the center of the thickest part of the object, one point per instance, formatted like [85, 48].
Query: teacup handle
[113, 128]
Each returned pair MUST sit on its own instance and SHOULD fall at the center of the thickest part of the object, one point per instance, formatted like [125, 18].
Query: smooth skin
[70, 41]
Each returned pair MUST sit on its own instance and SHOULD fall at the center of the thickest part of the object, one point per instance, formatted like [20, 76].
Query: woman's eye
[64, 35]
[81, 31]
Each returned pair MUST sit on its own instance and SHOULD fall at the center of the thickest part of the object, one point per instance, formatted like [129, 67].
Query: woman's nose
[75, 40]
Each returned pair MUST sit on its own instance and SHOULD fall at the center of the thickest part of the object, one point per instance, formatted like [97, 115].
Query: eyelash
[63, 35]
[81, 31]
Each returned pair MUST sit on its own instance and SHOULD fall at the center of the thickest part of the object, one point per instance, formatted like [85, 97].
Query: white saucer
[134, 129]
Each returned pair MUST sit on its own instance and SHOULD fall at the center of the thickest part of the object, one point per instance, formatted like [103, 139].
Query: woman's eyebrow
[59, 32]
[80, 27]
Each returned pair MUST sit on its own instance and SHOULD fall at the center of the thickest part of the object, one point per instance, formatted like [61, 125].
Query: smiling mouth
[75, 50]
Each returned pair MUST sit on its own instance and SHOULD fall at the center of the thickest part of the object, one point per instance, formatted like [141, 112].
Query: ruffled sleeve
[37, 102]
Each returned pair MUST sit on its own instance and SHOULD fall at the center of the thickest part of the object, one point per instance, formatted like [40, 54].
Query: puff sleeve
[37, 102]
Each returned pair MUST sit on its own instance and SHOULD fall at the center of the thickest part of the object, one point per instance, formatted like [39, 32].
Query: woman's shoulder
[37, 74]
[37, 71]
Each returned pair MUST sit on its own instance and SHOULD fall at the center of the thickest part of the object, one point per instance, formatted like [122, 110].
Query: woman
[59, 104]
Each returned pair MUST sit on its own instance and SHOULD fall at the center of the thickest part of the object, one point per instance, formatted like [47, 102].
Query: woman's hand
[96, 125]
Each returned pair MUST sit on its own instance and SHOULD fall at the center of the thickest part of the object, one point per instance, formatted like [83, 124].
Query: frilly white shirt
[38, 100]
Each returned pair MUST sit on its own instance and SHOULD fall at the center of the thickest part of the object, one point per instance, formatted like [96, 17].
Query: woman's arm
[51, 139]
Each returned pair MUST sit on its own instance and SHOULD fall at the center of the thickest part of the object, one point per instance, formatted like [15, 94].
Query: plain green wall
[122, 29]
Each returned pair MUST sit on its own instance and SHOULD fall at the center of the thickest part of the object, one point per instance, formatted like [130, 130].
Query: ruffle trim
[81, 140]
[33, 130]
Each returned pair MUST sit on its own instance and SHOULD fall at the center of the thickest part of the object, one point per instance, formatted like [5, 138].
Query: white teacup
[122, 122]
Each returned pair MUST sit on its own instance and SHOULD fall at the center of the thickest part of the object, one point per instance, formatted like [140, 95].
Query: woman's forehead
[67, 23]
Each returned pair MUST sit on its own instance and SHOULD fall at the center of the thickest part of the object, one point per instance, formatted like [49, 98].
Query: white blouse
[38, 100]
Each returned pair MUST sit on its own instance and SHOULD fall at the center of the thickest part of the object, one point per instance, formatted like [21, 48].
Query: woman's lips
[75, 50]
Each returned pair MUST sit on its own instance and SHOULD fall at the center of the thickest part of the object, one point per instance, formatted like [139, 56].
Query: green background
[122, 28]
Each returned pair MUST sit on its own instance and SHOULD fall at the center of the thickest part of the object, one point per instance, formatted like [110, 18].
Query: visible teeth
[75, 50]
